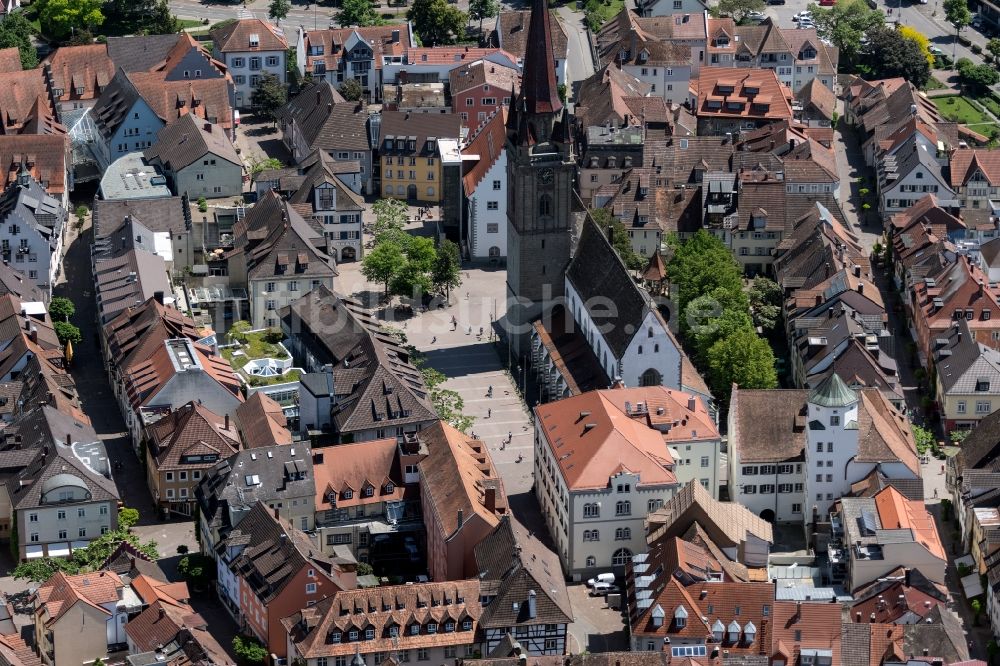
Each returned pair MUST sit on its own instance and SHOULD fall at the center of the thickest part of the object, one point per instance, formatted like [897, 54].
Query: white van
[607, 578]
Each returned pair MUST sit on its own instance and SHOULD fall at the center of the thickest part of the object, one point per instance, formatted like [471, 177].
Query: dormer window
[680, 617]
[393, 631]
[369, 634]
[982, 385]
[808, 54]
[643, 55]
[725, 88]
[749, 633]
[389, 487]
[718, 630]
[722, 41]
[414, 629]
[368, 491]
[657, 615]
[750, 90]
[254, 40]
[734, 631]
[335, 636]
[348, 494]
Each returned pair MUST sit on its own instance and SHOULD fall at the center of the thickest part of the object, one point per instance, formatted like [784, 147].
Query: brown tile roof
[14, 651]
[512, 33]
[326, 120]
[19, 91]
[143, 380]
[724, 86]
[484, 72]
[890, 600]
[602, 97]
[512, 563]
[797, 626]
[187, 140]
[137, 332]
[10, 59]
[159, 624]
[769, 426]
[262, 422]
[72, 68]
[350, 468]
[333, 41]
[191, 430]
[818, 96]
[884, 434]
[726, 523]
[61, 592]
[455, 477]
[420, 125]
[206, 98]
[897, 512]
[150, 590]
[235, 37]
[48, 154]
[967, 161]
[488, 145]
[380, 608]
[442, 55]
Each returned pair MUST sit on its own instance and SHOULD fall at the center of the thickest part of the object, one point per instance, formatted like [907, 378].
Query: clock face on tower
[545, 176]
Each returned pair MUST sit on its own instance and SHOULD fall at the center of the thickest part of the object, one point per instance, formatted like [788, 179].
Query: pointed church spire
[539, 92]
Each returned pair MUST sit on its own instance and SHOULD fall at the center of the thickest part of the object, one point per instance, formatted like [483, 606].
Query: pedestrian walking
[489, 413]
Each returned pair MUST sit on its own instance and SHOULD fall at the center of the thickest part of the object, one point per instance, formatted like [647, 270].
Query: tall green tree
[410, 282]
[61, 308]
[357, 13]
[845, 24]
[744, 359]
[484, 9]
[890, 54]
[59, 18]
[268, 97]
[67, 332]
[383, 263]
[447, 273]
[765, 302]
[739, 9]
[977, 78]
[16, 32]
[278, 9]
[436, 22]
[620, 238]
[957, 13]
[351, 90]
[391, 215]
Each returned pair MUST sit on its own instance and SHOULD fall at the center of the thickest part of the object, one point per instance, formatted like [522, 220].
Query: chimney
[858, 617]
[329, 107]
[33, 334]
[395, 36]
[532, 605]
[208, 127]
[490, 499]
[163, 613]
[926, 652]
[857, 271]
[276, 516]
[461, 519]
[227, 422]
[69, 439]
[906, 579]
[692, 403]
[611, 234]
[861, 288]
[319, 99]
[982, 288]
[158, 295]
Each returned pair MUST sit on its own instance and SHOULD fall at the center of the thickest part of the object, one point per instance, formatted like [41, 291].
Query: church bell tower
[540, 173]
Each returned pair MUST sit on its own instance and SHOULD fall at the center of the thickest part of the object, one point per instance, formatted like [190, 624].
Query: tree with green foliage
[741, 358]
[977, 609]
[249, 650]
[447, 272]
[278, 9]
[411, 281]
[620, 238]
[61, 308]
[391, 215]
[151, 17]
[739, 9]
[483, 9]
[765, 302]
[67, 332]
[351, 90]
[383, 263]
[957, 13]
[197, 570]
[16, 32]
[922, 41]
[262, 164]
[127, 518]
[923, 437]
[709, 321]
[890, 54]
[364, 569]
[845, 24]
[993, 46]
[977, 78]
[269, 96]
[447, 403]
[357, 13]
[161, 21]
[958, 436]
[699, 266]
[437, 22]
[61, 18]
[41, 569]
[238, 331]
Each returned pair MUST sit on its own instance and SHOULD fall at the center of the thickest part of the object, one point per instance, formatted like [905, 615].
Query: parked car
[936, 50]
[601, 589]
[607, 578]
[756, 16]
[803, 15]
[775, 2]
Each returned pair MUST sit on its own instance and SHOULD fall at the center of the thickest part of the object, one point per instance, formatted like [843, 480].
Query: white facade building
[486, 191]
[250, 48]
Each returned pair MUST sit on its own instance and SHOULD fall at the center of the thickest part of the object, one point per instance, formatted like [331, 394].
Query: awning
[972, 585]
[77, 545]
[34, 552]
[59, 549]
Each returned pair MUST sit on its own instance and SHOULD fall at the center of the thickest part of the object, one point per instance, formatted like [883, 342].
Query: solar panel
[869, 522]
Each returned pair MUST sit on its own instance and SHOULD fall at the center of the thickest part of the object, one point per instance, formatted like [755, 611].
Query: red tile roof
[758, 92]
[488, 145]
[805, 625]
[61, 592]
[19, 91]
[87, 69]
[235, 37]
[967, 161]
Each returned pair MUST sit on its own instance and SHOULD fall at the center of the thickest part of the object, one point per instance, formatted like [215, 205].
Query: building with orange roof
[262, 422]
[606, 459]
[731, 100]
[904, 596]
[462, 499]
[433, 63]
[975, 176]
[81, 618]
[355, 53]
[800, 630]
[250, 48]
[365, 499]
[876, 535]
[10, 59]
[485, 182]
[479, 89]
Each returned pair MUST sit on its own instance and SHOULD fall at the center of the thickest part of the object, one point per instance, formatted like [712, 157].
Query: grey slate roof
[981, 448]
[165, 214]
[320, 168]
[187, 140]
[964, 366]
[342, 126]
[511, 565]
[114, 103]
[599, 276]
[140, 53]
[232, 487]
[855, 643]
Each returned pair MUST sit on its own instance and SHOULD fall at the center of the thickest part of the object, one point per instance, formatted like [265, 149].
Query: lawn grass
[184, 24]
[960, 110]
[255, 347]
[288, 377]
[933, 83]
[991, 104]
[600, 12]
